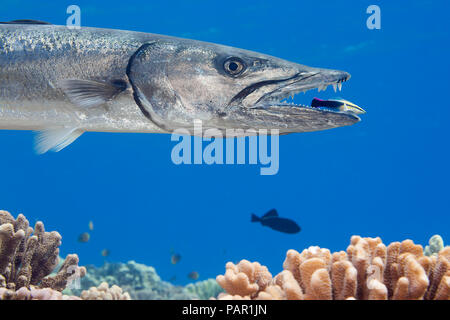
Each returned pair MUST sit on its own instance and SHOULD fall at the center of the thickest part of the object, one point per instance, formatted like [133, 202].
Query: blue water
[386, 176]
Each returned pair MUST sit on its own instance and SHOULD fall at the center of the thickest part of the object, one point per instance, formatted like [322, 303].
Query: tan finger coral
[28, 256]
[367, 271]
[245, 278]
[344, 279]
[286, 281]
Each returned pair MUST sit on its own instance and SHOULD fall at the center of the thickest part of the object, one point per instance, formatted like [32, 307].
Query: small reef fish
[337, 104]
[175, 258]
[193, 275]
[91, 225]
[84, 237]
[63, 82]
[105, 252]
[273, 221]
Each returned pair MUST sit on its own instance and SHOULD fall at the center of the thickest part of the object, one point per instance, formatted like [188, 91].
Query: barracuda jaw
[269, 102]
[284, 97]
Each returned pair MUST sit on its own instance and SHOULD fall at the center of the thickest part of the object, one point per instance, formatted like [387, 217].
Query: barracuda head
[176, 82]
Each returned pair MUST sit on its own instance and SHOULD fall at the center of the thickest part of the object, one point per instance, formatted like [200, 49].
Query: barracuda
[63, 82]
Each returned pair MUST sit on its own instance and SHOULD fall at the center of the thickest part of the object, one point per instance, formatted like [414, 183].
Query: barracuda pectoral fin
[89, 93]
[55, 139]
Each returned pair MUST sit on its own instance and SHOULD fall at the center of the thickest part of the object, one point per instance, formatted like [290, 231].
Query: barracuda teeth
[322, 88]
[334, 87]
[340, 86]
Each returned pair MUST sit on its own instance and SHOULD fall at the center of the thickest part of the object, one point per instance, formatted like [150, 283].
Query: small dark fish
[105, 252]
[273, 221]
[84, 237]
[175, 258]
[193, 275]
[173, 279]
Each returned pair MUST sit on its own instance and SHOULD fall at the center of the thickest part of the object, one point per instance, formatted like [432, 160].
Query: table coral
[28, 256]
[368, 270]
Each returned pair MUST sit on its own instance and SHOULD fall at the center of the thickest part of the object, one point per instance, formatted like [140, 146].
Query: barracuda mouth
[266, 104]
[283, 95]
[280, 93]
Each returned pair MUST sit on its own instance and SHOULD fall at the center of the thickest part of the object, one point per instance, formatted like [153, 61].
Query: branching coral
[367, 270]
[245, 279]
[27, 257]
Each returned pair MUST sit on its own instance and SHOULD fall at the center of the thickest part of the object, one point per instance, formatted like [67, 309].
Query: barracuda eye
[234, 66]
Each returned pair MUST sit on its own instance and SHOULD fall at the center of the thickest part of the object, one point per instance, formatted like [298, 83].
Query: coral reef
[435, 244]
[28, 256]
[143, 283]
[34, 294]
[204, 290]
[368, 270]
[31, 269]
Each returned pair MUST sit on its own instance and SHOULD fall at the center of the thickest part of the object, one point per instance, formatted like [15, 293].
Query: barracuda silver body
[63, 82]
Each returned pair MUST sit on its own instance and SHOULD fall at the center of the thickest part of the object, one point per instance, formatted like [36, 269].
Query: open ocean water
[386, 176]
